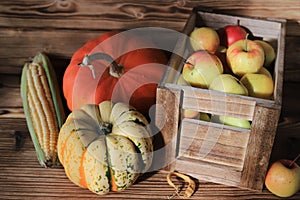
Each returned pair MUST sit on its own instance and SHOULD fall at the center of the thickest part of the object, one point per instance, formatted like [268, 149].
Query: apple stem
[187, 62]
[294, 160]
[246, 41]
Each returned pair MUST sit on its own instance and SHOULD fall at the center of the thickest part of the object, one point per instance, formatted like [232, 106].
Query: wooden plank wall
[51, 25]
[59, 27]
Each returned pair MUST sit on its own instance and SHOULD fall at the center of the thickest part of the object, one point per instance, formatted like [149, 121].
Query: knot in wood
[62, 6]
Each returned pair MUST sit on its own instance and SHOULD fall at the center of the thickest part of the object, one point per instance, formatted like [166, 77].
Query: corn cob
[42, 107]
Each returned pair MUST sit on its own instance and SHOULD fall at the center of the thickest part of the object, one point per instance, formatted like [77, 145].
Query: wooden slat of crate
[210, 171]
[259, 148]
[213, 143]
[269, 30]
[167, 122]
[218, 103]
[279, 64]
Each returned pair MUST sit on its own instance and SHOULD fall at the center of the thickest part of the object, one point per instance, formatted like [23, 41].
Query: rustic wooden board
[21, 177]
[167, 121]
[222, 104]
[229, 149]
[259, 147]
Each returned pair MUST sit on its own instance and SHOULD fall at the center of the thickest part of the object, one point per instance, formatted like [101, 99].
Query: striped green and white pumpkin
[105, 147]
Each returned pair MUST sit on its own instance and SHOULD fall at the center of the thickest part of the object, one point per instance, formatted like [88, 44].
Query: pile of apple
[227, 60]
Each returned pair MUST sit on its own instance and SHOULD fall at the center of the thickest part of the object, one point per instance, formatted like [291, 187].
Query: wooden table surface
[21, 177]
[27, 27]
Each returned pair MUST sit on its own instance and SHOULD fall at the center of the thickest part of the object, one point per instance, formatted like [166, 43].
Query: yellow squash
[105, 147]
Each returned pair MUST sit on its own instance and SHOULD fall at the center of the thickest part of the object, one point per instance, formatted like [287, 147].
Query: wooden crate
[210, 151]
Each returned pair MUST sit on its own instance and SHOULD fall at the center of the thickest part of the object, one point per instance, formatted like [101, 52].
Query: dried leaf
[189, 190]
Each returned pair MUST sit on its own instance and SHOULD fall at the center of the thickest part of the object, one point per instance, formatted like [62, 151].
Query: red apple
[232, 33]
[245, 56]
[201, 68]
[283, 178]
[205, 38]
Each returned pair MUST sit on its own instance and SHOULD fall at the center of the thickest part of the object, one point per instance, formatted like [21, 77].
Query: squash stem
[115, 69]
[105, 127]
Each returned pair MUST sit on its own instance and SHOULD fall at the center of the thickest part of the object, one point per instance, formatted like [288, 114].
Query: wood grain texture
[51, 26]
[227, 146]
[259, 148]
[209, 171]
[21, 177]
[166, 119]
[94, 15]
[218, 103]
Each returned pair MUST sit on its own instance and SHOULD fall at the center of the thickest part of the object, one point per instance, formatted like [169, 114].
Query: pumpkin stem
[105, 127]
[115, 70]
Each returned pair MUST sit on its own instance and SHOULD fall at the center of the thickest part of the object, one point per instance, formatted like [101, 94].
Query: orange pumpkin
[105, 147]
[122, 67]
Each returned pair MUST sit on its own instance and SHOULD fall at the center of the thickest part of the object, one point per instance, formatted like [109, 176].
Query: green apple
[204, 38]
[245, 56]
[191, 114]
[232, 121]
[204, 117]
[266, 72]
[258, 85]
[269, 52]
[201, 68]
[229, 84]
[181, 81]
[283, 178]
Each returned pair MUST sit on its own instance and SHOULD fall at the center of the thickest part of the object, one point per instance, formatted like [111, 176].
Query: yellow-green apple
[192, 114]
[229, 84]
[204, 38]
[232, 121]
[181, 81]
[204, 117]
[283, 178]
[269, 52]
[245, 56]
[231, 33]
[201, 68]
[264, 71]
[258, 85]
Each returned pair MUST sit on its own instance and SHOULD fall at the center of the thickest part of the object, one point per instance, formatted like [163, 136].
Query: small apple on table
[283, 178]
